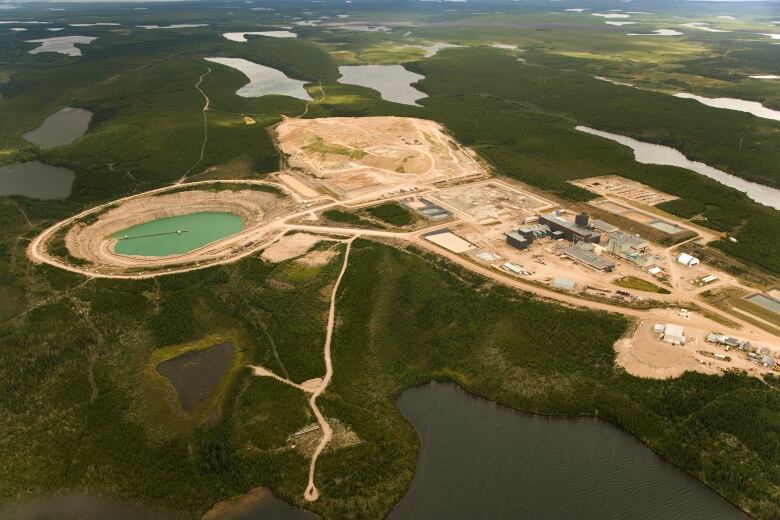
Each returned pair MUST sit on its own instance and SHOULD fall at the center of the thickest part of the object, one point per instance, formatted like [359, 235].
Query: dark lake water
[481, 460]
[196, 374]
[36, 180]
[61, 128]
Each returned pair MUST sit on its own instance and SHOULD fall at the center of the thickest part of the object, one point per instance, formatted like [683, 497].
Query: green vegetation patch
[392, 213]
[321, 147]
[632, 282]
[350, 219]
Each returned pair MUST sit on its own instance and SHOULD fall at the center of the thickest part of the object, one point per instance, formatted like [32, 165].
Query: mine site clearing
[500, 228]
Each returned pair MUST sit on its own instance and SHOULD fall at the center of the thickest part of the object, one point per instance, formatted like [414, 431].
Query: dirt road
[312, 493]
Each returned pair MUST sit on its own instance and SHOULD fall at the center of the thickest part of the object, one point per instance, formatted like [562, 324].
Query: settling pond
[36, 180]
[61, 128]
[481, 460]
[169, 236]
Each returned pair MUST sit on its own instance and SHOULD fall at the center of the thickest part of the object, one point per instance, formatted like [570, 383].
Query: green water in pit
[176, 235]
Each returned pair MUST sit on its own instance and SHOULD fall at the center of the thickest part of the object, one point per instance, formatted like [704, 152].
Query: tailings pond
[648, 153]
[481, 460]
[393, 82]
[176, 235]
[197, 373]
[60, 128]
[36, 180]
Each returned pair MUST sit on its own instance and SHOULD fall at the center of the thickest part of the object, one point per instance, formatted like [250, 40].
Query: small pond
[36, 180]
[481, 460]
[176, 235]
[648, 153]
[393, 82]
[197, 373]
[61, 128]
[264, 80]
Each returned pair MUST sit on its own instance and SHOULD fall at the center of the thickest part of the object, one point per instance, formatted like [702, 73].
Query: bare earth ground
[353, 156]
[290, 246]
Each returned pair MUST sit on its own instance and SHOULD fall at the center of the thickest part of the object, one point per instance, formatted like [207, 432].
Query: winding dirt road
[311, 492]
[206, 104]
[315, 387]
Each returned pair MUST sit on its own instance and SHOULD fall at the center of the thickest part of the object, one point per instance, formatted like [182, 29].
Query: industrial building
[631, 248]
[565, 284]
[517, 240]
[670, 333]
[584, 253]
[573, 231]
[604, 227]
[621, 242]
[687, 260]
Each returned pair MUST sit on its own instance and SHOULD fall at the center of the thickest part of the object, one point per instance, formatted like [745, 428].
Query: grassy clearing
[632, 282]
[319, 146]
[338, 216]
[392, 213]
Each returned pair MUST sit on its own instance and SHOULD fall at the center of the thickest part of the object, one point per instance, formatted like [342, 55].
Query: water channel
[648, 153]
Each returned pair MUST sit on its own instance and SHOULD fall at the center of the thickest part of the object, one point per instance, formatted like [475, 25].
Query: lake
[751, 107]
[264, 80]
[36, 180]
[61, 128]
[257, 504]
[481, 460]
[61, 44]
[176, 235]
[241, 36]
[393, 82]
[647, 153]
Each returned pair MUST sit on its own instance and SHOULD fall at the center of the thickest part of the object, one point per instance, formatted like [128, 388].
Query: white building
[674, 334]
[687, 260]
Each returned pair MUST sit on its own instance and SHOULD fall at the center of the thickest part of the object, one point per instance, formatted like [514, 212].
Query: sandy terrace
[93, 242]
[625, 188]
[356, 156]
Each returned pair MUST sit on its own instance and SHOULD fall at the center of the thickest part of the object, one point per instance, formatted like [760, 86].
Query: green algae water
[176, 235]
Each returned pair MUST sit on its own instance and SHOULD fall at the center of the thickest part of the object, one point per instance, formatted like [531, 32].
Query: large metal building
[571, 231]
